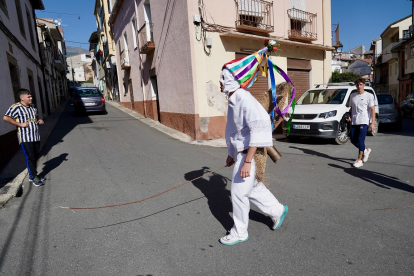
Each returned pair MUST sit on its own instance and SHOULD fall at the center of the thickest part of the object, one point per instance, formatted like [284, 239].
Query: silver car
[389, 111]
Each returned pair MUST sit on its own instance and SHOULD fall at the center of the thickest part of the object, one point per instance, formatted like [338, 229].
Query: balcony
[146, 38]
[387, 55]
[254, 16]
[60, 61]
[125, 61]
[302, 25]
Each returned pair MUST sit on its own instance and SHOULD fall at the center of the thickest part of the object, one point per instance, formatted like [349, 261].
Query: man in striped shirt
[24, 115]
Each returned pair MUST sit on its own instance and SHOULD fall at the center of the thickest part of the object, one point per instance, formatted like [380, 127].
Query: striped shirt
[22, 114]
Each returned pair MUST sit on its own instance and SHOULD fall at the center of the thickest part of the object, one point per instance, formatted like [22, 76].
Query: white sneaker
[231, 239]
[367, 151]
[358, 164]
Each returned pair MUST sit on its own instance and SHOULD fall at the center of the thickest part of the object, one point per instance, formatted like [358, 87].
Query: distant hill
[71, 51]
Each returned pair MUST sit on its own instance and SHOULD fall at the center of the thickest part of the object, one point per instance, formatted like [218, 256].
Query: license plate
[301, 126]
[384, 120]
[88, 104]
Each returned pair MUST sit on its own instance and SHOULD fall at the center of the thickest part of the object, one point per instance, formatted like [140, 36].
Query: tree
[344, 77]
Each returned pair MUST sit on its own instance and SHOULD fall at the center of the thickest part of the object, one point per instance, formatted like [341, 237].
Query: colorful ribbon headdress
[246, 69]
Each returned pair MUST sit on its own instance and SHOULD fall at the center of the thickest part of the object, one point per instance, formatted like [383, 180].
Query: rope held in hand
[138, 201]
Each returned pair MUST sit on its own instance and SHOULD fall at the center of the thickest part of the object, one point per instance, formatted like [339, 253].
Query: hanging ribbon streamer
[273, 82]
[292, 101]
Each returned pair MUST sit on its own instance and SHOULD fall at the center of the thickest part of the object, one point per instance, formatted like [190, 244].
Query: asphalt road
[98, 160]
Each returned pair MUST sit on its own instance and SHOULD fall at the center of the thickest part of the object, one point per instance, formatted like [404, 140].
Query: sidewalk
[15, 172]
[221, 143]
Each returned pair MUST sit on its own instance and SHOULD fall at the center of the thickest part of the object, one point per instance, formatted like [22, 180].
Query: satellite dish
[58, 22]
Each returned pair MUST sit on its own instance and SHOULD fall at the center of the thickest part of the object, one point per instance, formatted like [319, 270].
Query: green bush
[344, 77]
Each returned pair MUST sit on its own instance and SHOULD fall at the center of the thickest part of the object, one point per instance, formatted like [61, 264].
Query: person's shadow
[320, 154]
[219, 198]
[53, 163]
[381, 180]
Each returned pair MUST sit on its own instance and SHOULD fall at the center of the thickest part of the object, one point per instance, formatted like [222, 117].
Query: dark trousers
[358, 134]
[31, 152]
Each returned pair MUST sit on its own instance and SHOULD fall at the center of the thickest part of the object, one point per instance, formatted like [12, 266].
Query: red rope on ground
[138, 201]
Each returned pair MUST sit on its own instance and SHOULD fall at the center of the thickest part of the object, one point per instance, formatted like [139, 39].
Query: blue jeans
[358, 134]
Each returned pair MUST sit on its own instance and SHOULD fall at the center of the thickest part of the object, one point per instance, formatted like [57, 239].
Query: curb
[221, 143]
[14, 187]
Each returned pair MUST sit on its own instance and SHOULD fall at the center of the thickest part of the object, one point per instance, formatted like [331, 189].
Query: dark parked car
[407, 107]
[88, 99]
[389, 111]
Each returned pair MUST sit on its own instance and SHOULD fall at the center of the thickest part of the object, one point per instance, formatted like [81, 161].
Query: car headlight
[328, 114]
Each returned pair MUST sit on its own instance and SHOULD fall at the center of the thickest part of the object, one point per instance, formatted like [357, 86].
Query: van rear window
[385, 99]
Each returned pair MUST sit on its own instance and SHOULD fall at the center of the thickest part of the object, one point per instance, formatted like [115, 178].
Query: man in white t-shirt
[362, 108]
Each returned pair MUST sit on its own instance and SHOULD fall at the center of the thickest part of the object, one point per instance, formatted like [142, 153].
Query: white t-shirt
[361, 104]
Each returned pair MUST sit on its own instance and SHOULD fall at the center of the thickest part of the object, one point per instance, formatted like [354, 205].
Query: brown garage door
[300, 79]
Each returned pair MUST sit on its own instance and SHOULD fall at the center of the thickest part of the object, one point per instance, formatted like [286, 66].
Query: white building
[20, 65]
[80, 64]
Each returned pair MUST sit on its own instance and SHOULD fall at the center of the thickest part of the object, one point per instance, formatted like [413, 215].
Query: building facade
[79, 68]
[387, 64]
[105, 50]
[170, 56]
[52, 51]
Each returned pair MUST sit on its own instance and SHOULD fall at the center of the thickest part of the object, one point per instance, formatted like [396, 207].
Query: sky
[360, 21]
[74, 29]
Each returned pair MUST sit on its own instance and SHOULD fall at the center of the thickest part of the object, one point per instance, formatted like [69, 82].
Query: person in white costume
[248, 127]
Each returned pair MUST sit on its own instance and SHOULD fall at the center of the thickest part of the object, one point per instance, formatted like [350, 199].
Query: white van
[319, 111]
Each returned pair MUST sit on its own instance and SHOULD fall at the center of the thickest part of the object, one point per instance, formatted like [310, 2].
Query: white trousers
[244, 190]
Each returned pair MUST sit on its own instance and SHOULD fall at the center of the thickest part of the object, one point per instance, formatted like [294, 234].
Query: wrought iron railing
[255, 16]
[302, 25]
[146, 37]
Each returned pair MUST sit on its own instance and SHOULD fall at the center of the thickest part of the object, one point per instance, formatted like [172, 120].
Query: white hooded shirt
[248, 124]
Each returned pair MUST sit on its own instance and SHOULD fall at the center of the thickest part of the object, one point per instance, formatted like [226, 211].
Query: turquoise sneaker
[279, 221]
[231, 240]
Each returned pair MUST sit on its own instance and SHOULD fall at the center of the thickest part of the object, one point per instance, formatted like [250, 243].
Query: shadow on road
[320, 154]
[219, 198]
[376, 178]
[53, 163]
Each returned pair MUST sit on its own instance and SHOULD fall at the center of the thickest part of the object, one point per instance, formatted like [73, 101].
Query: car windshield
[326, 96]
[88, 93]
[385, 99]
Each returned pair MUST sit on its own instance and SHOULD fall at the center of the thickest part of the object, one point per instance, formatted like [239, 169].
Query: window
[20, 17]
[126, 46]
[109, 6]
[411, 50]
[29, 23]
[119, 46]
[134, 32]
[390, 70]
[3, 7]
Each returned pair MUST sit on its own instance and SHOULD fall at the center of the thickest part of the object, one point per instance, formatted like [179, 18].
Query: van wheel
[375, 131]
[342, 137]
